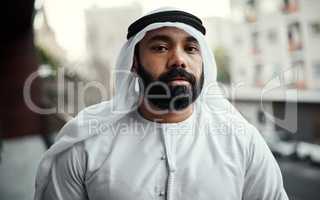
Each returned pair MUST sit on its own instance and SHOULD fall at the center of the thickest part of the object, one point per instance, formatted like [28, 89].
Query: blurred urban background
[267, 53]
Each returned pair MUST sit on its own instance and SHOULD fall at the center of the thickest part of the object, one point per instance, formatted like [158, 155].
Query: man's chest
[172, 169]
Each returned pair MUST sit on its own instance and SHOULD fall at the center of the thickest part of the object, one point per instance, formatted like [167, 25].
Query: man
[170, 138]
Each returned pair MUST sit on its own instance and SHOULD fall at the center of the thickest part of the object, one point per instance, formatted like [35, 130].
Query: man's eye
[192, 49]
[159, 48]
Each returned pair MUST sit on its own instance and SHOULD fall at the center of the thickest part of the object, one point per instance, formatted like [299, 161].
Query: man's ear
[134, 67]
[135, 63]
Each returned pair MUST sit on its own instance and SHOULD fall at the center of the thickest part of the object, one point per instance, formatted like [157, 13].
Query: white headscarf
[127, 96]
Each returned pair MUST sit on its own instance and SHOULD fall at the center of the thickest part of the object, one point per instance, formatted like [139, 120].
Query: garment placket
[168, 143]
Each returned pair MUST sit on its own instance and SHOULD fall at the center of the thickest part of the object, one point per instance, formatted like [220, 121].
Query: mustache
[177, 73]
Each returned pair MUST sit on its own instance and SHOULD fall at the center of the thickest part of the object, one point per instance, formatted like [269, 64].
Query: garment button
[163, 157]
[161, 194]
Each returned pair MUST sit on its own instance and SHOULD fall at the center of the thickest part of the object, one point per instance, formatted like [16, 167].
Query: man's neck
[150, 113]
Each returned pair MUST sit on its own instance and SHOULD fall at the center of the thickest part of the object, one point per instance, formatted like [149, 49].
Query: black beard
[172, 98]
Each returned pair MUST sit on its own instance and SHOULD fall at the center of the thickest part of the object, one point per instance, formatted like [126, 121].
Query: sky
[66, 17]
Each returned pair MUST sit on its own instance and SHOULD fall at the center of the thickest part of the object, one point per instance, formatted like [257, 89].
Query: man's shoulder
[227, 123]
[231, 131]
[95, 120]
[99, 132]
[90, 132]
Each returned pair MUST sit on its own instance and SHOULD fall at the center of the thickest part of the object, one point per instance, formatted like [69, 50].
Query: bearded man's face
[169, 62]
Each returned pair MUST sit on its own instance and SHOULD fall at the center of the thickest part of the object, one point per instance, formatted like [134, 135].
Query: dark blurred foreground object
[302, 180]
[20, 150]
[17, 60]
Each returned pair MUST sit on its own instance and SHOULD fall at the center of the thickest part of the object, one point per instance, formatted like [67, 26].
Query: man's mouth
[178, 81]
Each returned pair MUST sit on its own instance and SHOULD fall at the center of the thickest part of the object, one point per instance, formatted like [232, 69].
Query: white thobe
[205, 157]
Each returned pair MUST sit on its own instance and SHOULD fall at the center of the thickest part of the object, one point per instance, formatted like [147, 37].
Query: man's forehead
[170, 32]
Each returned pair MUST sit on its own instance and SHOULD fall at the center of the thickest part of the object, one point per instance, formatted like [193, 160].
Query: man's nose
[177, 58]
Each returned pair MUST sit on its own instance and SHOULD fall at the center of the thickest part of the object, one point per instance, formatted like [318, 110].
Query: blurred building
[45, 37]
[277, 37]
[106, 30]
[274, 57]
[272, 49]
[219, 32]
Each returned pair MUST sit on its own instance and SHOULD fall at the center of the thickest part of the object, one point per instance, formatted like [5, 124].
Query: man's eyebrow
[163, 38]
[192, 39]
[166, 38]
